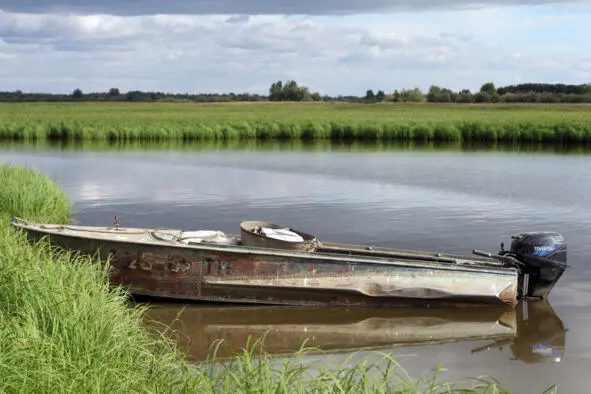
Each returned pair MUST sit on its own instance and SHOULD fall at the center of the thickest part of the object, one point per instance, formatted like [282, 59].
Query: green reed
[250, 369]
[155, 122]
[64, 328]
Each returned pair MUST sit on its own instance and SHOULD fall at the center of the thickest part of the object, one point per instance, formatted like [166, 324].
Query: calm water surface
[449, 200]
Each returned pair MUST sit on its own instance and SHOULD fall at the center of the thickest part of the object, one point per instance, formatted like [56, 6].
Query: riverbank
[62, 329]
[319, 146]
[65, 330]
[563, 123]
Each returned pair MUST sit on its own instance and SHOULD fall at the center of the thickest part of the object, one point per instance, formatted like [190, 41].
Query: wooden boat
[533, 332]
[210, 265]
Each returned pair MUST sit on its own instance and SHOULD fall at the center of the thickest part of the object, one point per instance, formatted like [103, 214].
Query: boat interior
[283, 239]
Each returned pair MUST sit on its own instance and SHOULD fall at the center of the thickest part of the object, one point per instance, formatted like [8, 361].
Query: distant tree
[548, 98]
[275, 91]
[488, 93]
[439, 95]
[113, 92]
[412, 95]
[482, 97]
[488, 88]
[546, 88]
[433, 94]
[465, 96]
[380, 96]
[77, 94]
[389, 97]
[292, 92]
[316, 96]
[448, 95]
[370, 96]
[289, 91]
[135, 95]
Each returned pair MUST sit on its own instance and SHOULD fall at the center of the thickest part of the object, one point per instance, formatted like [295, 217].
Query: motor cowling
[543, 255]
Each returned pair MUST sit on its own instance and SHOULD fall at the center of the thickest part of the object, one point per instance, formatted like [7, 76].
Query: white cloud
[222, 53]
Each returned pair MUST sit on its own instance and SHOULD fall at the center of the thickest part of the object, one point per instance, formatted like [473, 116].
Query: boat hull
[237, 274]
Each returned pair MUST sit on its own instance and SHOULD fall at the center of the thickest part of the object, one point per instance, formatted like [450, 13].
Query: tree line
[489, 93]
[114, 94]
[291, 91]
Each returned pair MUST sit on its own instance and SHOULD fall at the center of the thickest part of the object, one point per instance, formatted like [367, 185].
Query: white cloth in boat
[282, 234]
[212, 236]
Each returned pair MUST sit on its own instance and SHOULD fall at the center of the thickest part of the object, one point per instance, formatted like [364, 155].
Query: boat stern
[544, 259]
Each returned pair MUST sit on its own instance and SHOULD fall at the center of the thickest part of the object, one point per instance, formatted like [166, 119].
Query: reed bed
[156, 122]
[298, 145]
[64, 329]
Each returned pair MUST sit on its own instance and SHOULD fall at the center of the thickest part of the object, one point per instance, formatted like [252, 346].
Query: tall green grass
[157, 122]
[64, 329]
[251, 370]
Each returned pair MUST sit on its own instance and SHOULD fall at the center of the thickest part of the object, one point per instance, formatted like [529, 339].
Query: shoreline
[65, 329]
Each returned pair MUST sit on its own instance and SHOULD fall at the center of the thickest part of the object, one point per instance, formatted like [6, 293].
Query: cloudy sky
[331, 46]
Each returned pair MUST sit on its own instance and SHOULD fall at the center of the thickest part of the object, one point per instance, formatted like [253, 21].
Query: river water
[429, 198]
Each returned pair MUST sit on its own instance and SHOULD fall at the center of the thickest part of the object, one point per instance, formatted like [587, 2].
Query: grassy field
[563, 123]
[64, 329]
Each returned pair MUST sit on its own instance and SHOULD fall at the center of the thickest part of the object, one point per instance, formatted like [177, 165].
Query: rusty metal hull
[238, 274]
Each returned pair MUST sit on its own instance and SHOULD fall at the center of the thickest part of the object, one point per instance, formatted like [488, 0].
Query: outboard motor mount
[543, 255]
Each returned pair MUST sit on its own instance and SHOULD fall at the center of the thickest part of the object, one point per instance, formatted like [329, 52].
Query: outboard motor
[543, 261]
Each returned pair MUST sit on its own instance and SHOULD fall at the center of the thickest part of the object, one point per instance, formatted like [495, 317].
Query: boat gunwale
[479, 266]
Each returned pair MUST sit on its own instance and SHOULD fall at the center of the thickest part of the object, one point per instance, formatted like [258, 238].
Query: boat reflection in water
[540, 337]
[533, 332]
